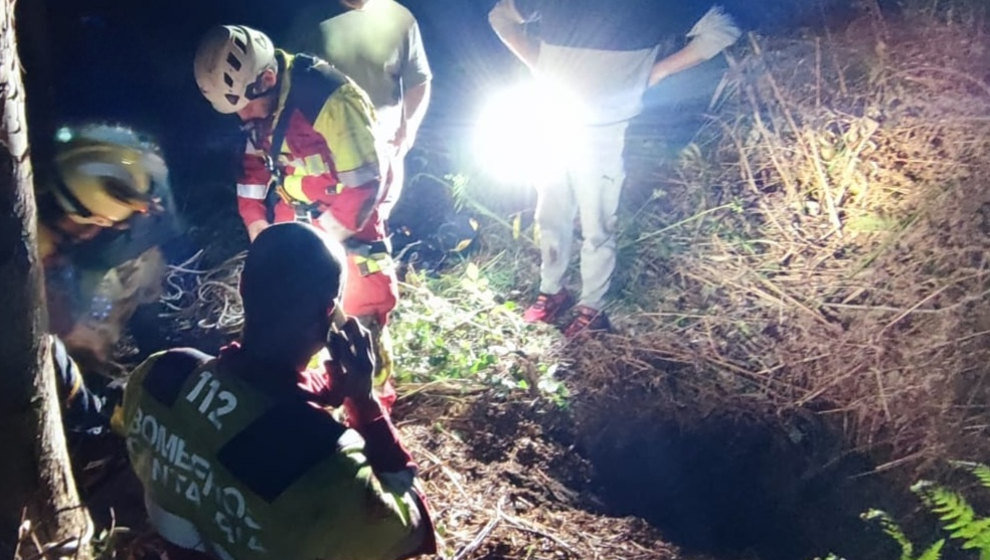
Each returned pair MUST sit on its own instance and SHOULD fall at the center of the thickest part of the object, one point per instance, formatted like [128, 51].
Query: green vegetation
[457, 328]
[957, 518]
[894, 531]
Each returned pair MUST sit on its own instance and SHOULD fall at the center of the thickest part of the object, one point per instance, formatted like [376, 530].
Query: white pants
[590, 189]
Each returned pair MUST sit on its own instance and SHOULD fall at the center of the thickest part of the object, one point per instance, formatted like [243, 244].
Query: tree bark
[36, 480]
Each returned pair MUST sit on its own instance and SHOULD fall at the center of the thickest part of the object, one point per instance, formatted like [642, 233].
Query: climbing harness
[370, 257]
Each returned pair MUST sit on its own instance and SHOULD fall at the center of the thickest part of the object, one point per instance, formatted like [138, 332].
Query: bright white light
[530, 133]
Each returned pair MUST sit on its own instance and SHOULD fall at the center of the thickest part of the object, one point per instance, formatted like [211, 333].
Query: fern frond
[893, 530]
[976, 534]
[934, 552]
[957, 515]
[458, 185]
[951, 507]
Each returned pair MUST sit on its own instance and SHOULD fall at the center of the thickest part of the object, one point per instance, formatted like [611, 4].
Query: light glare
[529, 133]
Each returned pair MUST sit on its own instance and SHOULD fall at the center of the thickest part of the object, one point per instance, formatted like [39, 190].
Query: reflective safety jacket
[328, 163]
[237, 467]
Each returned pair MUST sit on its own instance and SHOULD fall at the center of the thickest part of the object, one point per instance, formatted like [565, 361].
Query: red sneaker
[588, 320]
[548, 307]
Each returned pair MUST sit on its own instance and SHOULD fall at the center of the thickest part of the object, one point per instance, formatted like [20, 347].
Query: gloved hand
[351, 367]
[274, 194]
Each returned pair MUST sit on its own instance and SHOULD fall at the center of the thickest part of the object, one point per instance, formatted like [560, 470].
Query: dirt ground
[502, 480]
[513, 475]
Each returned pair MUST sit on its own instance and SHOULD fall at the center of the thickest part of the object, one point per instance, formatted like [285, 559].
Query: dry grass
[829, 247]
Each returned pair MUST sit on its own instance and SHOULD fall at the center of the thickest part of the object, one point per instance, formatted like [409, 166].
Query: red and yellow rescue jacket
[329, 162]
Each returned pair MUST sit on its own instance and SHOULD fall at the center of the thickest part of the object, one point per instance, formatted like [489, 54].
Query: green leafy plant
[957, 517]
[894, 531]
[458, 328]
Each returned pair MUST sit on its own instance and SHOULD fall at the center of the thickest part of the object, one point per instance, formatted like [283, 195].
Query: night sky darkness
[130, 61]
[135, 58]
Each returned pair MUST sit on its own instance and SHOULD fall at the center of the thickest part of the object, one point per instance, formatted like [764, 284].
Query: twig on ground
[536, 530]
[481, 536]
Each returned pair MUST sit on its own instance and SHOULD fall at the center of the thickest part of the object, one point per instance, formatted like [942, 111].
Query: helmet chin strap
[270, 95]
[252, 92]
[72, 228]
[77, 212]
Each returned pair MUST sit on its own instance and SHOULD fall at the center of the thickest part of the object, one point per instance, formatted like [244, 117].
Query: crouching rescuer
[311, 156]
[105, 212]
[240, 456]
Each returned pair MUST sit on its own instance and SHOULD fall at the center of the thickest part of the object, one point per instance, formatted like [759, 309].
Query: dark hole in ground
[730, 487]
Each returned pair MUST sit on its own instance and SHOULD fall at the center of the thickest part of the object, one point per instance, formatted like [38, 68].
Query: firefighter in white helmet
[312, 154]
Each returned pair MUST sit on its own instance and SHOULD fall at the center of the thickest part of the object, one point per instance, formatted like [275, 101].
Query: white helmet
[228, 62]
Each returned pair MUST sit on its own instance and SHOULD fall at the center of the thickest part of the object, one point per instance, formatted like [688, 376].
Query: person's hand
[331, 227]
[351, 364]
[398, 142]
[657, 75]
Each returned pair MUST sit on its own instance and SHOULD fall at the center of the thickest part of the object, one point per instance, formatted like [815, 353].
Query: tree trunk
[35, 476]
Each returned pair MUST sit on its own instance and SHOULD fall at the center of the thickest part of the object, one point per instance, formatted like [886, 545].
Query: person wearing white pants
[606, 54]
[590, 189]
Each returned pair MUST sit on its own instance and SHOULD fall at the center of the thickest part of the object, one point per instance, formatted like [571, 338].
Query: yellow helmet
[104, 182]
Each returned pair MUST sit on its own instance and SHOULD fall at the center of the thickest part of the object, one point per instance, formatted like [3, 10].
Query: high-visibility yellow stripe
[378, 262]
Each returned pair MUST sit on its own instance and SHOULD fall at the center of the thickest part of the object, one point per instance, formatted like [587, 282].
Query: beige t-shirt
[378, 46]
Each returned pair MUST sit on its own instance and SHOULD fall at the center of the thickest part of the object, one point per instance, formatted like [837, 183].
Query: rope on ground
[207, 299]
